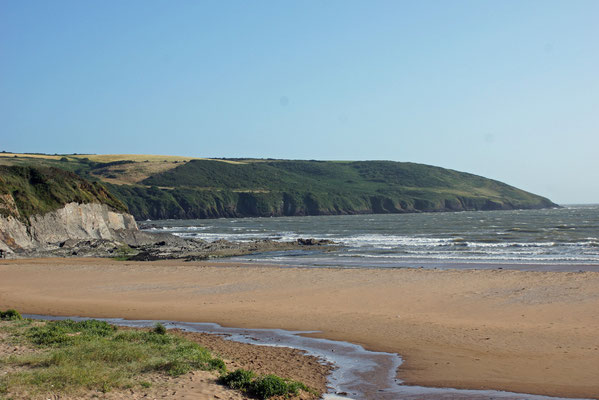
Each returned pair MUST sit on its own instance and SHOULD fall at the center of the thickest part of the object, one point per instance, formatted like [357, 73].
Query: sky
[504, 89]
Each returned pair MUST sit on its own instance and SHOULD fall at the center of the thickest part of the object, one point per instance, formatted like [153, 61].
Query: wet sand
[529, 332]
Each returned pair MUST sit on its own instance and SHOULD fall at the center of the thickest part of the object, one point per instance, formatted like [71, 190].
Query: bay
[557, 238]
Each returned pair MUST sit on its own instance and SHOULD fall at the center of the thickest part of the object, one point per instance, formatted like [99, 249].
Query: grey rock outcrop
[73, 221]
[94, 230]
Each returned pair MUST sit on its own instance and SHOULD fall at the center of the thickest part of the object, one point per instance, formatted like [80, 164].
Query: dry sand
[530, 332]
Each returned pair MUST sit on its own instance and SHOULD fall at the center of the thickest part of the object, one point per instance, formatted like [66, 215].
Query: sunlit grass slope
[207, 188]
[181, 187]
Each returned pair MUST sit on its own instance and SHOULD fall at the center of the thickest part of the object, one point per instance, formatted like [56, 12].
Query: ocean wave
[560, 235]
[390, 241]
[459, 257]
[379, 242]
[175, 229]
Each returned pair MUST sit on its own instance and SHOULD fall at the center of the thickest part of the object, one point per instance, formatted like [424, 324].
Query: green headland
[158, 187]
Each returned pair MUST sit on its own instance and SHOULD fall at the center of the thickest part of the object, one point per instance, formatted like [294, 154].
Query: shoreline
[425, 264]
[525, 332]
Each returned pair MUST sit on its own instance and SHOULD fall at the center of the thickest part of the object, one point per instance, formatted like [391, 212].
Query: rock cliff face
[73, 221]
[42, 207]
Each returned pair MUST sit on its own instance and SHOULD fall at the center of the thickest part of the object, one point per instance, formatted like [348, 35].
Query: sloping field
[117, 169]
[102, 158]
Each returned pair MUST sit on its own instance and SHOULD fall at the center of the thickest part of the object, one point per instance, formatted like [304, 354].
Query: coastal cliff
[49, 212]
[73, 221]
[264, 188]
[170, 187]
[42, 207]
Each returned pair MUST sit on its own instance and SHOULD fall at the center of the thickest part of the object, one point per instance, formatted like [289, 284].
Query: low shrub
[159, 329]
[238, 379]
[217, 364]
[10, 315]
[263, 387]
[268, 386]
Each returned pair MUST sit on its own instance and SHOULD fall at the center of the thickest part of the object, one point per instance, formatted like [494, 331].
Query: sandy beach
[529, 332]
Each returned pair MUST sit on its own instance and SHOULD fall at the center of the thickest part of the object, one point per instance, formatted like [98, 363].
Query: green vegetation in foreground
[262, 387]
[10, 315]
[212, 188]
[27, 190]
[96, 356]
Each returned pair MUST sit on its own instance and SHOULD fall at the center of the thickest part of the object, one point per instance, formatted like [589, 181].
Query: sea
[565, 238]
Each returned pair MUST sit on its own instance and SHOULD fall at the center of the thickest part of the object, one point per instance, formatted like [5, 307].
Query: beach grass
[70, 357]
[93, 355]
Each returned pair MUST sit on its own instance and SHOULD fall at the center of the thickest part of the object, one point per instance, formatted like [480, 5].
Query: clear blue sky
[505, 89]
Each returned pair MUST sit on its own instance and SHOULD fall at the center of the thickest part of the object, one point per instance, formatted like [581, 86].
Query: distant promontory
[160, 187]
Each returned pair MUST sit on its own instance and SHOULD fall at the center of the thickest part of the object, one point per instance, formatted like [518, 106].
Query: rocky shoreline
[135, 245]
[96, 230]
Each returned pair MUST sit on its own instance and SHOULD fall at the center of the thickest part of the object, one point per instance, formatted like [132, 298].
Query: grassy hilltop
[180, 187]
[29, 190]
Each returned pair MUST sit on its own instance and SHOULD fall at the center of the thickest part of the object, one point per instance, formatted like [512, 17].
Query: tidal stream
[358, 374]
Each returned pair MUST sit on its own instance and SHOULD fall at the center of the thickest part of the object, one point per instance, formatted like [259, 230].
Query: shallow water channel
[359, 373]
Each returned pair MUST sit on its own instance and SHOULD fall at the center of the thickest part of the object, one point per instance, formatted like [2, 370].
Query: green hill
[29, 190]
[158, 187]
[211, 188]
